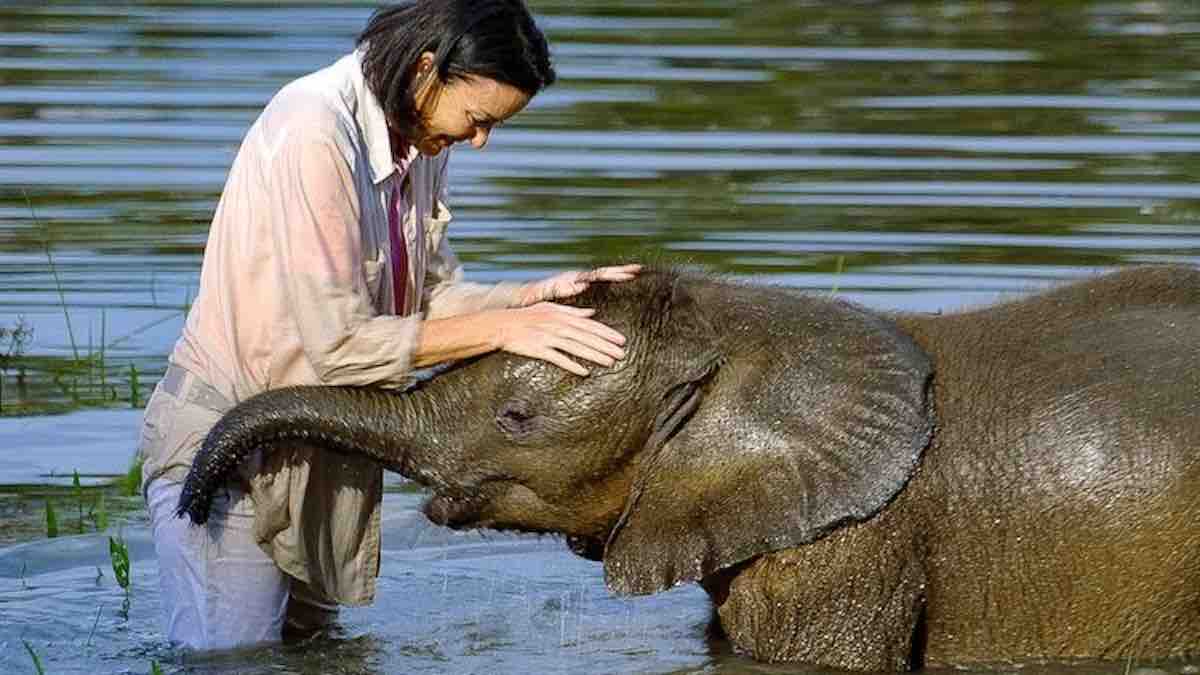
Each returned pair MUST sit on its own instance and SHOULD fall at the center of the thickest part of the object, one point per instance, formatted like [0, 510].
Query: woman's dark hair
[496, 39]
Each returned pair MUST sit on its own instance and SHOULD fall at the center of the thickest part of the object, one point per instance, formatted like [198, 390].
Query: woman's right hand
[559, 334]
[554, 333]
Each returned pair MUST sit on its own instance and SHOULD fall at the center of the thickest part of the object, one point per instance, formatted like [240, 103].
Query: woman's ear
[424, 65]
[818, 418]
[425, 83]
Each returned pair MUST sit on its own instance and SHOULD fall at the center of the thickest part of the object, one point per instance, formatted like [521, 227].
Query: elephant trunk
[364, 422]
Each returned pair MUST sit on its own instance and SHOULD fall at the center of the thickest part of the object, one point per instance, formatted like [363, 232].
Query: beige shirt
[296, 289]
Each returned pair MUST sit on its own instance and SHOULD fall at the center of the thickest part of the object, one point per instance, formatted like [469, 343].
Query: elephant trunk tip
[193, 505]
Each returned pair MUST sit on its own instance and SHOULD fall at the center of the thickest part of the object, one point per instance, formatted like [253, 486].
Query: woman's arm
[465, 319]
[545, 330]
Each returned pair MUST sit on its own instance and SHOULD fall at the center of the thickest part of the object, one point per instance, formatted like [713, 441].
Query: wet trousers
[219, 590]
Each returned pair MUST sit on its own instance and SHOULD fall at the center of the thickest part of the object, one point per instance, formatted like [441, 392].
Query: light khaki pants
[219, 589]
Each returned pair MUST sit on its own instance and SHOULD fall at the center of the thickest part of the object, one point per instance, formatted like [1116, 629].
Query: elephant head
[742, 420]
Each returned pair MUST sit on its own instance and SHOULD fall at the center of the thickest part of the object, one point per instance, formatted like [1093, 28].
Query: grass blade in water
[132, 485]
[135, 394]
[119, 553]
[51, 520]
[37, 663]
[78, 487]
[100, 515]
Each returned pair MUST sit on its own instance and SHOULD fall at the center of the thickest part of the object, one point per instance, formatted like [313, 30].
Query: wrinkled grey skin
[852, 489]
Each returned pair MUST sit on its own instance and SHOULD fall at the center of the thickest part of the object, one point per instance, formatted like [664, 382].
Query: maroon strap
[399, 253]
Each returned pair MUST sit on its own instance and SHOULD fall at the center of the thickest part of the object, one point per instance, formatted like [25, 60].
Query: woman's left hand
[567, 284]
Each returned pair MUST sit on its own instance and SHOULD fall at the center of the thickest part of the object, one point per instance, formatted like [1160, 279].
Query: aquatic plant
[118, 553]
[97, 510]
[81, 379]
[78, 488]
[134, 389]
[37, 511]
[37, 662]
[100, 513]
[837, 273]
[51, 520]
[96, 621]
[12, 346]
[131, 484]
[62, 298]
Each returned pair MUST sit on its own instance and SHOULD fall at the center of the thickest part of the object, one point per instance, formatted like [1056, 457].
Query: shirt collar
[370, 118]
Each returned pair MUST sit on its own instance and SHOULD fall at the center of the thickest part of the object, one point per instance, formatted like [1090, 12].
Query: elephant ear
[817, 418]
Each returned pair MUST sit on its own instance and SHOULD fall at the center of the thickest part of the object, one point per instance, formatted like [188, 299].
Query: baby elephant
[853, 489]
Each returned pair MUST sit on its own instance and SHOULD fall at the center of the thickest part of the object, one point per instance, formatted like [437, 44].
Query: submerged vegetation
[46, 378]
[37, 661]
[29, 512]
[84, 375]
[32, 384]
[118, 555]
[13, 341]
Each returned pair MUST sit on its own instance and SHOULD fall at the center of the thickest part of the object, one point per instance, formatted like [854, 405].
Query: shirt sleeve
[446, 294]
[317, 238]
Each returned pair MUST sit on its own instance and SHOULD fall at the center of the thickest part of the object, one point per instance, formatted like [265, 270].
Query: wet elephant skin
[853, 489]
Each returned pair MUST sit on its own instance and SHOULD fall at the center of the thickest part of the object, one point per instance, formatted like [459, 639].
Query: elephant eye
[516, 419]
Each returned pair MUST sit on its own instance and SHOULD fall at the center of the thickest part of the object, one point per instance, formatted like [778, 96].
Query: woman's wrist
[459, 337]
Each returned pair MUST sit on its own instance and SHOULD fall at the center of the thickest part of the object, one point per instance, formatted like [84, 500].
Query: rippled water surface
[907, 155]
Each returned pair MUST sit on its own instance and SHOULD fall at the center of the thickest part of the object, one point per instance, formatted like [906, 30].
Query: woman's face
[465, 109]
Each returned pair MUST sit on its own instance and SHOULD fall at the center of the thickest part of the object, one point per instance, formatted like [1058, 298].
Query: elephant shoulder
[804, 603]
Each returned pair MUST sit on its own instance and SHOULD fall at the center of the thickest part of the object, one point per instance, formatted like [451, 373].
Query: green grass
[37, 662]
[29, 512]
[51, 520]
[47, 384]
[118, 554]
[837, 273]
[62, 297]
[130, 485]
[135, 392]
[88, 377]
[90, 504]
[12, 347]
[78, 488]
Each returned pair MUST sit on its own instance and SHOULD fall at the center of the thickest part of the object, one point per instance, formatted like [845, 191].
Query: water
[448, 602]
[916, 156]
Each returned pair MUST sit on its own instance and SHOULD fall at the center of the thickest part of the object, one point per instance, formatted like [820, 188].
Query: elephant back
[1066, 464]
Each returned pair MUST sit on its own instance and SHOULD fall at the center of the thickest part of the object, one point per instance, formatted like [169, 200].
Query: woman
[327, 263]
